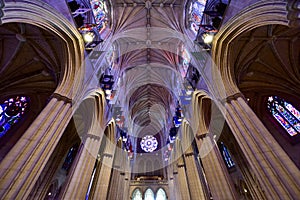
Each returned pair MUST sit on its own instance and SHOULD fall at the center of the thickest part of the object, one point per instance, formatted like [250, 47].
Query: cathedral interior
[150, 99]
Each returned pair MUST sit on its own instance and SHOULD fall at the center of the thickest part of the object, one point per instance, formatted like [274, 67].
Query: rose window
[149, 143]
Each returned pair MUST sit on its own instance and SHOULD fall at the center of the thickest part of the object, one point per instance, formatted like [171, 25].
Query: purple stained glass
[284, 124]
[196, 13]
[11, 112]
[285, 114]
[100, 13]
[293, 110]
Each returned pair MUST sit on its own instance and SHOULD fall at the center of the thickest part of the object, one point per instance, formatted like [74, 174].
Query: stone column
[122, 172]
[277, 174]
[78, 183]
[22, 166]
[102, 185]
[193, 178]
[182, 179]
[127, 175]
[116, 174]
[216, 172]
[172, 184]
[177, 192]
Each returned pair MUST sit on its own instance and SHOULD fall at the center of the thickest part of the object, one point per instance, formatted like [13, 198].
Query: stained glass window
[226, 155]
[100, 12]
[149, 195]
[11, 112]
[149, 143]
[137, 195]
[161, 195]
[196, 13]
[186, 58]
[285, 114]
[70, 157]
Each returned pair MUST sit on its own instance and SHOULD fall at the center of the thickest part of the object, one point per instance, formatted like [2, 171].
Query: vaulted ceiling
[148, 36]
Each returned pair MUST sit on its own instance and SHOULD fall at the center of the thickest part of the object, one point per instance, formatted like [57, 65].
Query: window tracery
[149, 195]
[137, 195]
[149, 143]
[226, 156]
[161, 195]
[196, 13]
[11, 112]
[285, 114]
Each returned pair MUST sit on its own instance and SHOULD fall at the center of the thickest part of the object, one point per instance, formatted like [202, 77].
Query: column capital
[229, 98]
[61, 97]
[187, 154]
[201, 135]
[107, 155]
[179, 165]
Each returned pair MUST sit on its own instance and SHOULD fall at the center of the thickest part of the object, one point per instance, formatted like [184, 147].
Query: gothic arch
[42, 15]
[256, 15]
[260, 68]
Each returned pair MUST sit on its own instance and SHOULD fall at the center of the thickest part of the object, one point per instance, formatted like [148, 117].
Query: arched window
[226, 155]
[196, 13]
[149, 195]
[70, 158]
[11, 112]
[137, 195]
[100, 12]
[286, 114]
[186, 58]
[161, 195]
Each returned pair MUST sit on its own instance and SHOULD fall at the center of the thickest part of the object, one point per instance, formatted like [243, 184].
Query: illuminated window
[100, 13]
[161, 195]
[149, 195]
[226, 155]
[149, 143]
[186, 58]
[285, 114]
[137, 195]
[196, 13]
[11, 112]
[70, 158]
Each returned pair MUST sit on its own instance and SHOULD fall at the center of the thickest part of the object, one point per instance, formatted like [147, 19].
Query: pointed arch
[137, 194]
[149, 194]
[44, 16]
[161, 194]
[259, 14]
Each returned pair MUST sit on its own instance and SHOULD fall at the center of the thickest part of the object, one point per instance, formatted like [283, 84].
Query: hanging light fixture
[88, 37]
[208, 38]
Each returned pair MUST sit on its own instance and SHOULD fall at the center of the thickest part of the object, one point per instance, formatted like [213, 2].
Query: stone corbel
[1, 10]
[293, 7]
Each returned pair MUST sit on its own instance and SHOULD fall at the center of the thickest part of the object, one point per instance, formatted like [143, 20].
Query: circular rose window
[149, 143]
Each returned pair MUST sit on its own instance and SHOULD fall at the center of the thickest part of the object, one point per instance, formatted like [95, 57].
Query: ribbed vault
[148, 62]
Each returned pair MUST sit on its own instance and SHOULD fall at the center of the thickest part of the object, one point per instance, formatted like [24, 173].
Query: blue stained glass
[11, 112]
[285, 114]
[196, 13]
[100, 13]
[70, 158]
[293, 110]
[226, 156]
